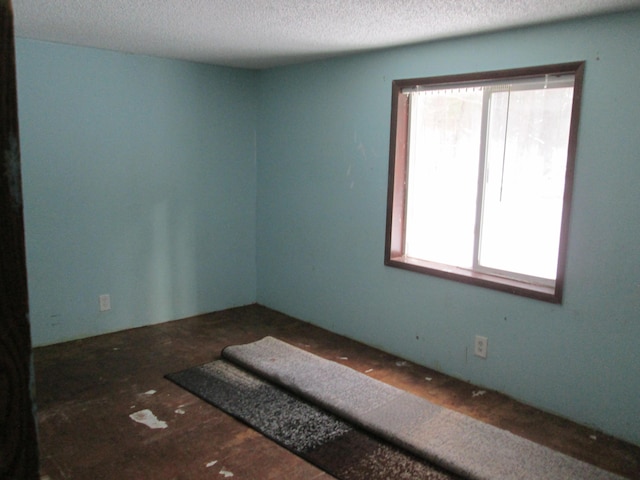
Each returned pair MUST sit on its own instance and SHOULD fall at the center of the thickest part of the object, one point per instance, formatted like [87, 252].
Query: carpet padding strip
[458, 443]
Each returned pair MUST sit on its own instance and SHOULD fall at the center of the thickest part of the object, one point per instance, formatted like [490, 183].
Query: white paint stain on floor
[146, 417]
[224, 472]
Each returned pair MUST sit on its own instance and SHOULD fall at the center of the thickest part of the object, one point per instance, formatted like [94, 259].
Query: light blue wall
[323, 139]
[139, 181]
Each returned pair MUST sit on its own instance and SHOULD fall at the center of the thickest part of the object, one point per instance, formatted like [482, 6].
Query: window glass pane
[526, 156]
[444, 146]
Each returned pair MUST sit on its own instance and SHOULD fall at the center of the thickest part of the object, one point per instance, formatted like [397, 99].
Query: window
[480, 177]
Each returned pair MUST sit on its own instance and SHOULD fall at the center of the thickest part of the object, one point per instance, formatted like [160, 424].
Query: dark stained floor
[87, 389]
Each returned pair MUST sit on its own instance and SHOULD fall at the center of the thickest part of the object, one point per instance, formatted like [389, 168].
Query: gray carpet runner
[458, 443]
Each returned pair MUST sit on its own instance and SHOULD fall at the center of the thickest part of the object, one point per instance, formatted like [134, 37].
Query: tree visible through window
[480, 177]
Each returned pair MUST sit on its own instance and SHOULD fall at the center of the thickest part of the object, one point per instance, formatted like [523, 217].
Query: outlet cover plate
[481, 346]
[105, 303]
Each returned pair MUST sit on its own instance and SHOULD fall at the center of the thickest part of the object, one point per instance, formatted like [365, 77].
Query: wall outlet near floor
[105, 302]
[480, 346]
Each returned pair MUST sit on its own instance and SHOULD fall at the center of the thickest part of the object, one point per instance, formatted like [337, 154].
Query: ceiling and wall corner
[261, 34]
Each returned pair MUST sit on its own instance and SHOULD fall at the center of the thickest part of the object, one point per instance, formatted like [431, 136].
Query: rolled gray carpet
[455, 441]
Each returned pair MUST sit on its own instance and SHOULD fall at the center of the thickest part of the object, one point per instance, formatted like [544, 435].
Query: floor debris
[369, 371]
[180, 411]
[226, 473]
[478, 393]
[211, 464]
[146, 417]
[428, 379]
[150, 392]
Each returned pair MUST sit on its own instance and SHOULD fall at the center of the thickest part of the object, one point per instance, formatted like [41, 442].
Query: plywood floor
[86, 391]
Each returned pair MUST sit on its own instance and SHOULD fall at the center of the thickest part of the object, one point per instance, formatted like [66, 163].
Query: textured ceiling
[265, 33]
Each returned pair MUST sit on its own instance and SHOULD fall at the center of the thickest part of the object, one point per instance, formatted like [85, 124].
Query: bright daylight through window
[480, 175]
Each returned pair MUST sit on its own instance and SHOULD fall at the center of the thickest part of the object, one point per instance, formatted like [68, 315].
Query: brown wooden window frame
[397, 182]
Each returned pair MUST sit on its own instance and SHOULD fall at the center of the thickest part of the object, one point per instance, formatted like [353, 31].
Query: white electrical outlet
[481, 346]
[105, 302]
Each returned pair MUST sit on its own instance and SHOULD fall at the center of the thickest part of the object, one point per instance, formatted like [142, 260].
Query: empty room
[429, 211]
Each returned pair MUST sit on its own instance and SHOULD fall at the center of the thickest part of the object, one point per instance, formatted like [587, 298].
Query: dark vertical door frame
[18, 443]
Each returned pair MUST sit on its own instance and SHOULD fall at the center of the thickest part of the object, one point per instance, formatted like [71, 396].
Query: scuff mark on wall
[349, 168]
[360, 146]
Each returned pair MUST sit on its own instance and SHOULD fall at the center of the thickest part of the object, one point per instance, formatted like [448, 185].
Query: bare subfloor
[87, 390]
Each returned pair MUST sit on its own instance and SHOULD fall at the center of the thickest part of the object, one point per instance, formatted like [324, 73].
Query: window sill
[517, 287]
